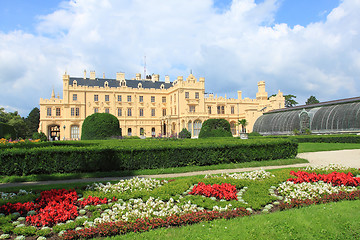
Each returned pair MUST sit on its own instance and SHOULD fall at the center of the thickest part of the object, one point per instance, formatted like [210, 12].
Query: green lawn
[317, 147]
[340, 220]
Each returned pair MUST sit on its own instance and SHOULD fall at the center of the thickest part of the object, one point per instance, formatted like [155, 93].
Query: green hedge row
[339, 138]
[141, 154]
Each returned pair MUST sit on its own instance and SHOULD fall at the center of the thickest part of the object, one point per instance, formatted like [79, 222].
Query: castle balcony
[192, 100]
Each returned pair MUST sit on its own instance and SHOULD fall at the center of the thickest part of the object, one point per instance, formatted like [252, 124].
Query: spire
[53, 94]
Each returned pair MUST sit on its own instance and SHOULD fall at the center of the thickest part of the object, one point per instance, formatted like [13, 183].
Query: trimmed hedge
[141, 154]
[100, 126]
[338, 138]
[7, 130]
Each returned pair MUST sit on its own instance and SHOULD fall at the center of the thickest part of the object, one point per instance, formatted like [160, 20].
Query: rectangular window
[107, 110]
[197, 95]
[119, 98]
[141, 112]
[192, 109]
[96, 98]
[58, 112]
[129, 98]
[218, 109]
[153, 112]
[77, 111]
[72, 111]
[186, 94]
[222, 109]
[232, 110]
[74, 97]
[164, 99]
[164, 112]
[119, 112]
[74, 131]
[209, 109]
[152, 98]
[48, 111]
[106, 98]
[96, 110]
[129, 112]
[141, 98]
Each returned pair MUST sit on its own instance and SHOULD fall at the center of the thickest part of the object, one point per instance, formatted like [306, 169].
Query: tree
[311, 100]
[215, 128]
[20, 126]
[243, 123]
[100, 126]
[33, 120]
[4, 116]
[289, 100]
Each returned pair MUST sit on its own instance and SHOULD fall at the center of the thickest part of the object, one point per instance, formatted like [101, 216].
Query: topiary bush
[215, 128]
[100, 126]
[184, 133]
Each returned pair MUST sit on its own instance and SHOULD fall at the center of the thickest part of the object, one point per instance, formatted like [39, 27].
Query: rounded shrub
[100, 126]
[39, 135]
[184, 133]
[215, 128]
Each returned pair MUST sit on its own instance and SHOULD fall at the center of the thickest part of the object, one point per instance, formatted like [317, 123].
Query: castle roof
[100, 82]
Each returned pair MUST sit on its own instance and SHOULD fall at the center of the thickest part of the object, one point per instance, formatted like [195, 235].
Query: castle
[147, 107]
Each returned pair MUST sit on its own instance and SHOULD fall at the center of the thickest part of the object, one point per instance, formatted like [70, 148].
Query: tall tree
[290, 101]
[311, 100]
[4, 116]
[33, 120]
[20, 126]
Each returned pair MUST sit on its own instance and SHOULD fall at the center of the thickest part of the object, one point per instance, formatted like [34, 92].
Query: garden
[138, 205]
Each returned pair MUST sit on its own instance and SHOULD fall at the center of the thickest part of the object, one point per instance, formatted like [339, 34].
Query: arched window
[129, 131]
[190, 127]
[123, 83]
[233, 128]
[197, 128]
[106, 84]
[139, 85]
[153, 132]
[74, 132]
[142, 132]
[162, 86]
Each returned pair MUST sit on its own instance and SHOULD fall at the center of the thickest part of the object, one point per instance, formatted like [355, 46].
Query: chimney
[120, 76]
[202, 79]
[104, 75]
[84, 74]
[239, 94]
[155, 77]
[138, 76]
[92, 75]
[167, 79]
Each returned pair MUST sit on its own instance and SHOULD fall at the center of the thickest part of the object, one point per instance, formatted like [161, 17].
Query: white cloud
[232, 49]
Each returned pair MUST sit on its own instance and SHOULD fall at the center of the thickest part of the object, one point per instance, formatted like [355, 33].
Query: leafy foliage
[215, 128]
[32, 121]
[7, 131]
[290, 101]
[100, 126]
[184, 133]
[312, 100]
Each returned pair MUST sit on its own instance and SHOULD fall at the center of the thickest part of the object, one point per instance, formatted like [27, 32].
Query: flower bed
[223, 191]
[142, 204]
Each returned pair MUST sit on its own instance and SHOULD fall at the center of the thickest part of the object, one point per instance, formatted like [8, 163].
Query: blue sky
[296, 46]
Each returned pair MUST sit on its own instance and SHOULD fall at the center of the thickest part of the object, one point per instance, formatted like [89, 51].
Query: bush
[40, 136]
[7, 131]
[184, 133]
[136, 154]
[215, 128]
[254, 134]
[100, 126]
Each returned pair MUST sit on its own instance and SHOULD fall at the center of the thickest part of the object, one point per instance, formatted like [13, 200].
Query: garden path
[350, 158]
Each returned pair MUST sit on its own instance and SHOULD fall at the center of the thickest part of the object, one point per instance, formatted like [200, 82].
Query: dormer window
[123, 83]
[106, 84]
[162, 86]
[139, 85]
[74, 83]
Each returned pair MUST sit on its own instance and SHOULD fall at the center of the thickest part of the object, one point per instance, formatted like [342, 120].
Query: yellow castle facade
[147, 107]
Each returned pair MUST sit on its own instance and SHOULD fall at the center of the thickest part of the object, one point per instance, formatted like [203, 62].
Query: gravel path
[350, 158]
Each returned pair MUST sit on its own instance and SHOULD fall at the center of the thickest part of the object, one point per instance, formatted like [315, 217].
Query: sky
[302, 47]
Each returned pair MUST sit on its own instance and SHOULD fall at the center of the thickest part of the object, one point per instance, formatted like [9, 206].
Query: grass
[317, 147]
[66, 176]
[327, 221]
